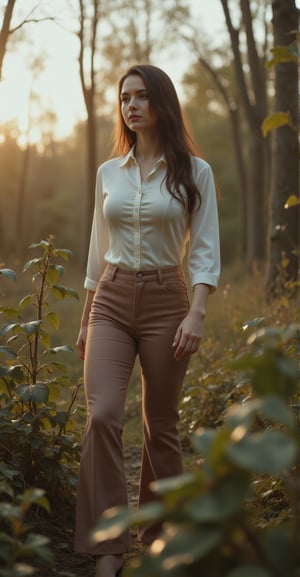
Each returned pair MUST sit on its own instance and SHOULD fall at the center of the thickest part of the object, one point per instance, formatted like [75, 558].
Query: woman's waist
[146, 274]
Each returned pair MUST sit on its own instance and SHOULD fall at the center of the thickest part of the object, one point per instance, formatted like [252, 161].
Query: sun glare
[13, 101]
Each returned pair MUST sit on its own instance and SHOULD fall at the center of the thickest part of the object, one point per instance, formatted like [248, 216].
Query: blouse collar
[130, 156]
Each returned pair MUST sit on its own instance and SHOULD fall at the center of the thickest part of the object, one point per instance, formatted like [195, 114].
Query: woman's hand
[80, 343]
[188, 335]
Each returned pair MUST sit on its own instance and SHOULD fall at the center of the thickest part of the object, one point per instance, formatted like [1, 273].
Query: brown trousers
[133, 313]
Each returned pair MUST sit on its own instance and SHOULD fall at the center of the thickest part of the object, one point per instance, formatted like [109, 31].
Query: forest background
[227, 89]
[238, 84]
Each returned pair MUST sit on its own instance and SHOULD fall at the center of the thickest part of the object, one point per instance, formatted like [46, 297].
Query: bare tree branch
[30, 21]
[5, 30]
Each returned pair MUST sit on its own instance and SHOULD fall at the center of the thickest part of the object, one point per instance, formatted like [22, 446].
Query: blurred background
[60, 61]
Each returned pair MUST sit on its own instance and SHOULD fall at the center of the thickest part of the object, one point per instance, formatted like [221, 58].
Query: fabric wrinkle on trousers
[133, 313]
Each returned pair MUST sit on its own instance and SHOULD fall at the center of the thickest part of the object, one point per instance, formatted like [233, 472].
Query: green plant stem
[74, 396]
[40, 298]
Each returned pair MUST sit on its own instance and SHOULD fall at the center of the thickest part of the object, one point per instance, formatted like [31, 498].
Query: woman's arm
[189, 333]
[81, 340]
[204, 262]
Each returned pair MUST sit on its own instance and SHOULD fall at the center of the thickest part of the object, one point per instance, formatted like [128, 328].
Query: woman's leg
[162, 384]
[110, 356]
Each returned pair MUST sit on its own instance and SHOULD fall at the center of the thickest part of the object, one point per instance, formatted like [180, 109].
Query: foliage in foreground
[211, 522]
[38, 440]
[17, 541]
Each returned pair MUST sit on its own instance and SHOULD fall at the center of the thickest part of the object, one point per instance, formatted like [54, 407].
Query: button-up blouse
[138, 224]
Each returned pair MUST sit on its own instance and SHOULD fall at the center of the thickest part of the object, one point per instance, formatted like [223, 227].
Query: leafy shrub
[38, 438]
[17, 541]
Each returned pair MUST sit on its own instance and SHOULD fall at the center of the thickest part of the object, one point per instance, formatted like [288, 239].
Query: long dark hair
[176, 141]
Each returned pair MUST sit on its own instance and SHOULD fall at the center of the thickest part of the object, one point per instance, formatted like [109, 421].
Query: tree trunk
[255, 203]
[88, 85]
[253, 99]
[5, 30]
[284, 233]
[91, 172]
[233, 112]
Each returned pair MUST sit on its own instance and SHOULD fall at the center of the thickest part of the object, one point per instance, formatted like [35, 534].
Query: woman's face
[135, 107]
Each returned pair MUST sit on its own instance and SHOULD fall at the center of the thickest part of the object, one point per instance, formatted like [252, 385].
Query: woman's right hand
[81, 341]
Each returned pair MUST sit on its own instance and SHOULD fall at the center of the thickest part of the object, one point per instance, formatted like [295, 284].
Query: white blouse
[138, 225]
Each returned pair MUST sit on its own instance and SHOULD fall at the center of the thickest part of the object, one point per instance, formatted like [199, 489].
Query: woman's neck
[148, 149]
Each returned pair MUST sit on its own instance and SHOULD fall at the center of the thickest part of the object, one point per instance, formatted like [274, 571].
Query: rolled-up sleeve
[204, 249]
[98, 241]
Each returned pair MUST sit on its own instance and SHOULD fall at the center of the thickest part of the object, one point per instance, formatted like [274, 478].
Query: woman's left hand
[188, 335]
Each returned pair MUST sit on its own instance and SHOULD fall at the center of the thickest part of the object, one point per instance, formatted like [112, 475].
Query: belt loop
[160, 276]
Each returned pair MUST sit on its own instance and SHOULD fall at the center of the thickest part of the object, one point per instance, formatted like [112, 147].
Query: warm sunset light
[149, 288]
[27, 93]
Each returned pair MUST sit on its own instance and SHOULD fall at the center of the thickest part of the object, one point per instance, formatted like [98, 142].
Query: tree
[4, 35]
[223, 94]
[284, 232]
[5, 30]
[89, 16]
[252, 94]
[244, 95]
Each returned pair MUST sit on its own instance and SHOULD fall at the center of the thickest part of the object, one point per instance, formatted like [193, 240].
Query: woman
[150, 199]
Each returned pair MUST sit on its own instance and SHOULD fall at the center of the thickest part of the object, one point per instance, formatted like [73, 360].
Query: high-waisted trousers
[133, 313]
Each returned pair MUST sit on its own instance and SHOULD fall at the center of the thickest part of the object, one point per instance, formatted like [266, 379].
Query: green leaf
[116, 520]
[268, 452]
[37, 545]
[253, 323]
[25, 301]
[292, 200]
[44, 338]
[186, 545]
[9, 312]
[225, 500]
[53, 319]
[277, 411]
[62, 418]
[175, 484]
[203, 440]
[52, 275]
[64, 253]
[274, 121]
[15, 372]
[270, 406]
[282, 54]
[242, 415]
[8, 351]
[38, 393]
[60, 292]
[41, 244]
[31, 328]
[35, 496]
[33, 263]
[9, 273]
[60, 349]
[7, 328]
